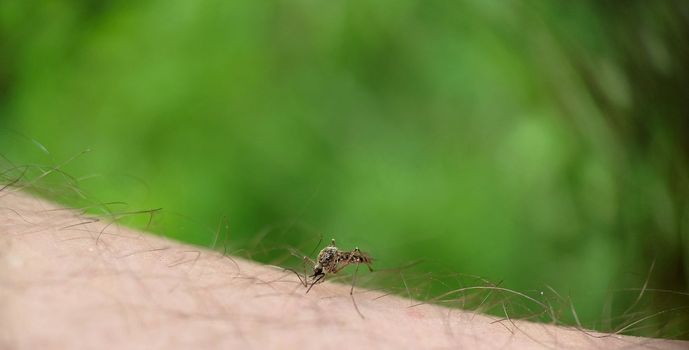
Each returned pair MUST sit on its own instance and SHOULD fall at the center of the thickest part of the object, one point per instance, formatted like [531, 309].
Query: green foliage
[540, 144]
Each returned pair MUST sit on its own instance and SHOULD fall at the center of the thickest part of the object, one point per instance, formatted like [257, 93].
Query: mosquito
[332, 260]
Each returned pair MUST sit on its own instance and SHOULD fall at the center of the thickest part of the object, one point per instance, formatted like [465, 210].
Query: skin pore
[68, 282]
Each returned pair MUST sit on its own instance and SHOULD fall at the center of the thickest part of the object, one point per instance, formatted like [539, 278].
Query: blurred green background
[534, 143]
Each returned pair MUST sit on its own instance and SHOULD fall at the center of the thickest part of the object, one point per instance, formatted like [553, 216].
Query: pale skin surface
[66, 285]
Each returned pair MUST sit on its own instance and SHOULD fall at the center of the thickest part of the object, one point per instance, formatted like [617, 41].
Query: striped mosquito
[332, 260]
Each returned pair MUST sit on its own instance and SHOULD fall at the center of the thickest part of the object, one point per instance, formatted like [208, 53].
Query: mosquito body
[331, 260]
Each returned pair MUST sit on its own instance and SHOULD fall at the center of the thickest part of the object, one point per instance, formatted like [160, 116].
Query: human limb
[67, 281]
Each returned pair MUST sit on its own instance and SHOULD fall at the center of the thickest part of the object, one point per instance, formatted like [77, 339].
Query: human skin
[70, 282]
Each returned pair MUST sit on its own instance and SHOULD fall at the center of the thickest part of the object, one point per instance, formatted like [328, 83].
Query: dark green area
[533, 143]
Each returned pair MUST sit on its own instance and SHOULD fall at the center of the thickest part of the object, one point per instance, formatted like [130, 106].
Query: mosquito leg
[357, 307]
[306, 258]
[306, 283]
[318, 279]
[302, 281]
[351, 290]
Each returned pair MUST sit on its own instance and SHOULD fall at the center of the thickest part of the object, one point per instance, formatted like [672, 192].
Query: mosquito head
[317, 270]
